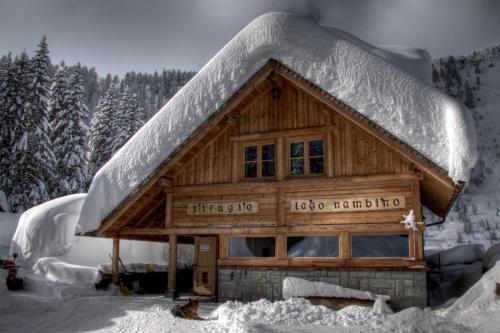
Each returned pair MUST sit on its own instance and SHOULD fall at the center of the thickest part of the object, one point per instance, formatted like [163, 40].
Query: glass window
[315, 156]
[250, 161]
[268, 160]
[251, 247]
[260, 161]
[313, 246]
[380, 246]
[306, 157]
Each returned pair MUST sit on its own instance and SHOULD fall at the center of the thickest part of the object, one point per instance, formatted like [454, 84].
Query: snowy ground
[46, 306]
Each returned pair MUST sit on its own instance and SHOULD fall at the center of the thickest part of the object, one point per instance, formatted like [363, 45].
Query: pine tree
[32, 149]
[103, 129]
[67, 104]
[469, 96]
[129, 119]
[9, 110]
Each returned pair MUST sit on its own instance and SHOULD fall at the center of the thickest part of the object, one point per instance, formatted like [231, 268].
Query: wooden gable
[357, 147]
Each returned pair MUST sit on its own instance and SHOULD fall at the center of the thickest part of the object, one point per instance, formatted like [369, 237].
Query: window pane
[297, 149]
[316, 165]
[251, 247]
[316, 148]
[297, 167]
[251, 153]
[380, 246]
[250, 169]
[268, 169]
[268, 152]
[313, 246]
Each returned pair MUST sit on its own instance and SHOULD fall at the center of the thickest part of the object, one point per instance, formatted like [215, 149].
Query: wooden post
[345, 246]
[115, 258]
[168, 209]
[279, 159]
[235, 163]
[172, 266]
[280, 207]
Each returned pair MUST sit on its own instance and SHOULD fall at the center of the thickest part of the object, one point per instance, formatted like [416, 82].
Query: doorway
[205, 266]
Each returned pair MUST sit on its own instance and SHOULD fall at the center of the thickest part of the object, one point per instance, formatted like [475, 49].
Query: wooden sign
[222, 208]
[346, 204]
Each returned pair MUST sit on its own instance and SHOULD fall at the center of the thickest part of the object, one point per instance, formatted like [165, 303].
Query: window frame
[242, 162]
[306, 140]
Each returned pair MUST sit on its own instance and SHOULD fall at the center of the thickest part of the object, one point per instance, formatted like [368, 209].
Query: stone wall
[406, 288]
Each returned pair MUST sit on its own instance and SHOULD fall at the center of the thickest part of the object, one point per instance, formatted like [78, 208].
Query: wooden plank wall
[354, 152]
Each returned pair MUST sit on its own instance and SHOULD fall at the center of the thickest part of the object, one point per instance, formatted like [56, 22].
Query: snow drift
[45, 240]
[426, 119]
[296, 287]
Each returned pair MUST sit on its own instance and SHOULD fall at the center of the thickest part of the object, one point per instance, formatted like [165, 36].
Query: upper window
[259, 161]
[307, 157]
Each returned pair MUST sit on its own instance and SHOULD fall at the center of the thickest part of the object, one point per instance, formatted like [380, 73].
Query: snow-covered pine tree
[32, 150]
[9, 105]
[103, 129]
[70, 113]
[128, 120]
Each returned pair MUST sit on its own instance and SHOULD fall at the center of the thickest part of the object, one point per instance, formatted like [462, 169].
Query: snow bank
[45, 240]
[6, 301]
[428, 120]
[297, 287]
[47, 230]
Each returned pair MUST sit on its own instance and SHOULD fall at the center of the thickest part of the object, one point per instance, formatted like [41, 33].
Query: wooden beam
[309, 263]
[169, 217]
[172, 264]
[275, 134]
[115, 260]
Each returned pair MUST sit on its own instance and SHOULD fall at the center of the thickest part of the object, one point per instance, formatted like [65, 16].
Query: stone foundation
[406, 288]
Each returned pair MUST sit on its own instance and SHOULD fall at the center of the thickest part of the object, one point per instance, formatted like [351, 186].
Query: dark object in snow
[187, 311]
[13, 282]
[491, 256]
[462, 254]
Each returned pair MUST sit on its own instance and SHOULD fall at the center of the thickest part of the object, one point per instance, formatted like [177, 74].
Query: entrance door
[205, 266]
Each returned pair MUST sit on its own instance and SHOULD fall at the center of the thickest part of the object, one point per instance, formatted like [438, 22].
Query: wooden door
[205, 266]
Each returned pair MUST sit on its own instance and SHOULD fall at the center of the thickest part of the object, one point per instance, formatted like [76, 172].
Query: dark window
[260, 161]
[251, 162]
[315, 156]
[306, 157]
[380, 246]
[268, 160]
[251, 247]
[313, 246]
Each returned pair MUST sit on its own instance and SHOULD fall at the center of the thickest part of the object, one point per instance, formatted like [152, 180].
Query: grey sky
[120, 35]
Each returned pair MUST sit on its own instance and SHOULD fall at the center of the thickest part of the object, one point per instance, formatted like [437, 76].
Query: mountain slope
[475, 218]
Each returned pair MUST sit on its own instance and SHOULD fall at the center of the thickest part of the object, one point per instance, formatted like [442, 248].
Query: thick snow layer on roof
[431, 122]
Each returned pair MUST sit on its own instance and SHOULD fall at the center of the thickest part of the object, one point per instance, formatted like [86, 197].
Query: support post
[114, 259]
[172, 266]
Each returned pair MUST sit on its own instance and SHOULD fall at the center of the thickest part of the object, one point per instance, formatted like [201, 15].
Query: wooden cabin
[284, 179]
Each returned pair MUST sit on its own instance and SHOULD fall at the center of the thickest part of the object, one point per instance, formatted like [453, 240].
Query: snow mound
[46, 230]
[56, 270]
[431, 122]
[297, 287]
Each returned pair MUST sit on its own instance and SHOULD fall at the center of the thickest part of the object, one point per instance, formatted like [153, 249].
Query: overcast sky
[117, 36]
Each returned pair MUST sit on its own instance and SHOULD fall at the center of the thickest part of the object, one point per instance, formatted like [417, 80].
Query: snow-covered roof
[434, 124]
